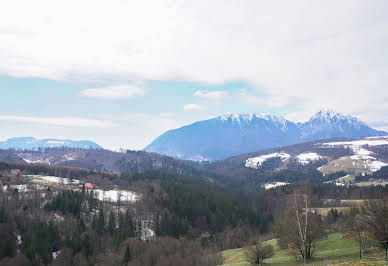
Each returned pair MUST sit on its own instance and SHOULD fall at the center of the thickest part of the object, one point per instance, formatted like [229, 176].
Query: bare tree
[300, 226]
[356, 226]
[374, 215]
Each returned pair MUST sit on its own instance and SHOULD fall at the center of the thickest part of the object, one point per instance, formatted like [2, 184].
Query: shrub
[256, 254]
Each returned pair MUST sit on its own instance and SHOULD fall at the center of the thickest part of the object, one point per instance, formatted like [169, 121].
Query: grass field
[336, 249]
[347, 164]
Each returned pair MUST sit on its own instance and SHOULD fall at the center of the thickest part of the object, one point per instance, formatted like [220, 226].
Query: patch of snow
[198, 158]
[361, 151]
[274, 184]
[255, 162]
[35, 161]
[147, 233]
[376, 165]
[18, 239]
[359, 143]
[239, 118]
[20, 188]
[58, 217]
[55, 179]
[68, 157]
[55, 254]
[362, 154]
[360, 157]
[378, 137]
[56, 142]
[366, 162]
[305, 158]
[369, 162]
[114, 195]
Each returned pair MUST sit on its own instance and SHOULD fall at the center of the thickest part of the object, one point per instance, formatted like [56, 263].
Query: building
[15, 172]
[90, 185]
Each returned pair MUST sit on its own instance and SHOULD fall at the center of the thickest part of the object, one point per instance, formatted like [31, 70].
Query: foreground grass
[337, 249]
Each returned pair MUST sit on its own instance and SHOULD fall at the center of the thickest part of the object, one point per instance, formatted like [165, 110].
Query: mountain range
[232, 134]
[29, 143]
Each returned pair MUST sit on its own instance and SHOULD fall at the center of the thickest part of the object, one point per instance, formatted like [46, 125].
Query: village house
[89, 186]
[14, 172]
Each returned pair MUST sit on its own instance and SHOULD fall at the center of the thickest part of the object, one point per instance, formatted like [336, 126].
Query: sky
[121, 73]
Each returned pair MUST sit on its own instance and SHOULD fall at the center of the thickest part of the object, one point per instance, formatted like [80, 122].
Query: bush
[256, 254]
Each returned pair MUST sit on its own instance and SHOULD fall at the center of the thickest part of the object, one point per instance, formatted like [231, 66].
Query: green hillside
[336, 249]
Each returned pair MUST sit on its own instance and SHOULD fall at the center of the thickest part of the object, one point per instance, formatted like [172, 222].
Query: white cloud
[272, 101]
[318, 52]
[139, 129]
[193, 106]
[212, 95]
[58, 121]
[114, 92]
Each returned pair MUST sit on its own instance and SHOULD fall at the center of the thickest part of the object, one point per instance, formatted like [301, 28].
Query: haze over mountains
[30, 143]
[232, 134]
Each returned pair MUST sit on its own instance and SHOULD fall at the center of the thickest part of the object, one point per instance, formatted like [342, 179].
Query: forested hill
[173, 218]
[31, 143]
[101, 160]
[318, 161]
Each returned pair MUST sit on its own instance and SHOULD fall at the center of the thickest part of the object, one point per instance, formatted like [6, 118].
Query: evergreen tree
[86, 247]
[127, 255]
[83, 191]
[100, 222]
[81, 226]
[111, 223]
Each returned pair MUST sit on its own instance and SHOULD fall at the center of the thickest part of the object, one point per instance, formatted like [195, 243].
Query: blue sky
[122, 72]
[47, 108]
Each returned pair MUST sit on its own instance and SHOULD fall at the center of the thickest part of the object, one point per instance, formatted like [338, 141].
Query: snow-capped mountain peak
[245, 117]
[332, 116]
[236, 133]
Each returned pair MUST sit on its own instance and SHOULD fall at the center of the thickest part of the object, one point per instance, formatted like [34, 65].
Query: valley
[193, 133]
[218, 206]
[143, 204]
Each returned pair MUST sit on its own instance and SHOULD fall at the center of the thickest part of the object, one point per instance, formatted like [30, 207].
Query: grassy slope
[337, 248]
[346, 164]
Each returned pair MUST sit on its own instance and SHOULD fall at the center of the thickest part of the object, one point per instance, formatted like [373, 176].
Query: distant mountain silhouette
[29, 143]
[232, 134]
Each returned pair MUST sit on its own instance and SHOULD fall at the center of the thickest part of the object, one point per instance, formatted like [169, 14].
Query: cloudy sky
[122, 72]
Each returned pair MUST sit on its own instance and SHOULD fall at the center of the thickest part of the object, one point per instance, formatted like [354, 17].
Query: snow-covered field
[53, 179]
[115, 195]
[355, 144]
[305, 158]
[255, 162]
[362, 158]
[36, 161]
[103, 195]
[274, 184]
[20, 188]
